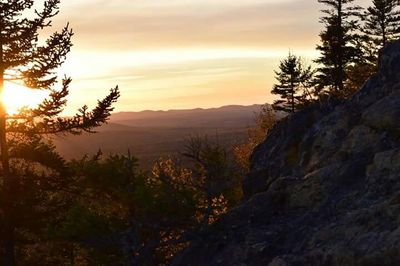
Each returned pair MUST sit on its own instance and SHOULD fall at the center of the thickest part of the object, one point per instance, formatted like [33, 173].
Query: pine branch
[83, 121]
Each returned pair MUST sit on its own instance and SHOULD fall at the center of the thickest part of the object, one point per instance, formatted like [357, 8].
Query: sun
[16, 96]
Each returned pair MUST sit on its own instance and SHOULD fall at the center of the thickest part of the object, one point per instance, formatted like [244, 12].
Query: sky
[180, 54]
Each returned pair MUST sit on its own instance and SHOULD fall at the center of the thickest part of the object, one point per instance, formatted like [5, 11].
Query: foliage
[265, 120]
[293, 85]
[337, 48]
[215, 173]
[382, 22]
[41, 180]
[380, 25]
[122, 214]
[104, 210]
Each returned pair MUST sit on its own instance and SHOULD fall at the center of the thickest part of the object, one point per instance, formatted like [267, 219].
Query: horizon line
[190, 109]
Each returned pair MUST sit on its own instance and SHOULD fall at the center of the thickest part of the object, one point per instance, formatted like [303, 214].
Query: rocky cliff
[324, 187]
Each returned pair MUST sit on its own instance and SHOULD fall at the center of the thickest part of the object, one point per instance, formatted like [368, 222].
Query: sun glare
[17, 96]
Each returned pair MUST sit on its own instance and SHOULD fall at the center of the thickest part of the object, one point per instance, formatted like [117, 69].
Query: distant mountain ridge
[150, 135]
[232, 107]
[226, 116]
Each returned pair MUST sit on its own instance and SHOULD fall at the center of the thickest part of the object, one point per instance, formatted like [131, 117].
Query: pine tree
[381, 25]
[24, 59]
[44, 190]
[293, 84]
[337, 49]
[382, 22]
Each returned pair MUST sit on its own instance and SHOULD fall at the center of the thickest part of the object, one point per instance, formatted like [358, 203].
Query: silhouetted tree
[293, 84]
[146, 218]
[382, 22]
[42, 184]
[213, 173]
[23, 58]
[337, 47]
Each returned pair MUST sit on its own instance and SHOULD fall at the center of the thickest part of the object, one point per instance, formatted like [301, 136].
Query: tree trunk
[342, 45]
[9, 246]
[292, 93]
[9, 228]
[384, 39]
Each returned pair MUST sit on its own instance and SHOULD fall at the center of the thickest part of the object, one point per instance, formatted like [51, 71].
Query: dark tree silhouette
[381, 25]
[24, 59]
[337, 49]
[213, 171]
[382, 22]
[293, 84]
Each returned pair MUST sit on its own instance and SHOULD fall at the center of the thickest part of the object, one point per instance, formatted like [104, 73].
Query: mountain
[324, 187]
[153, 134]
[224, 117]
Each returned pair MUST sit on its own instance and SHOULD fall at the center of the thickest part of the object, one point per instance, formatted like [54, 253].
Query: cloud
[137, 24]
[208, 83]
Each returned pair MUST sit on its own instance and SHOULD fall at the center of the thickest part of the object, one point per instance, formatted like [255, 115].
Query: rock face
[324, 187]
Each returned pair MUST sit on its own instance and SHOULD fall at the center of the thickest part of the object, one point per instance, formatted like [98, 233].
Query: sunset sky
[175, 54]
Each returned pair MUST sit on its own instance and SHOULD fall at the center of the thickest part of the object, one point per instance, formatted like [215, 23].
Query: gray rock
[324, 187]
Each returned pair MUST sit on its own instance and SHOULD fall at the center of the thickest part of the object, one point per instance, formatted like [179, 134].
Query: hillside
[153, 134]
[323, 188]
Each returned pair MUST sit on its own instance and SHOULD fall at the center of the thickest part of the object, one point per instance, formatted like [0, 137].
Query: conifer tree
[337, 49]
[24, 59]
[293, 84]
[381, 25]
[382, 22]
